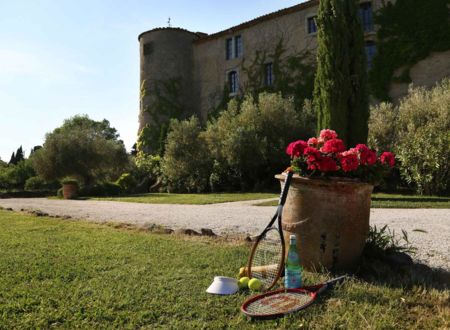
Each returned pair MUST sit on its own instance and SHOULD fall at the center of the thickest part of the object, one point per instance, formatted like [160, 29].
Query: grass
[197, 199]
[74, 274]
[397, 201]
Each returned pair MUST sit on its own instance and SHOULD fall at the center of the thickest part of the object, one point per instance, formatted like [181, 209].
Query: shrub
[60, 193]
[127, 182]
[36, 183]
[247, 141]
[417, 130]
[186, 165]
[382, 130]
[101, 189]
[14, 176]
[424, 138]
[69, 180]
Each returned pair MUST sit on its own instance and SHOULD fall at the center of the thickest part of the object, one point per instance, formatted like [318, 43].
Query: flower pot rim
[327, 180]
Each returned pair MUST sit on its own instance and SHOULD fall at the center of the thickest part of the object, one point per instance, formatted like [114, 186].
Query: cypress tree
[19, 155]
[358, 102]
[340, 87]
[12, 161]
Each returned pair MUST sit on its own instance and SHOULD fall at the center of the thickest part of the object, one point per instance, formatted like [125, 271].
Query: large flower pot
[70, 190]
[330, 218]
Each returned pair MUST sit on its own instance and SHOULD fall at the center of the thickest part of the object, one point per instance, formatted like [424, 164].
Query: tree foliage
[418, 131]
[340, 87]
[186, 162]
[83, 148]
[409, 31]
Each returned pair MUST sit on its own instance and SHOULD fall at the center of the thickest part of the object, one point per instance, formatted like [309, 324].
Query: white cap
[223, 285]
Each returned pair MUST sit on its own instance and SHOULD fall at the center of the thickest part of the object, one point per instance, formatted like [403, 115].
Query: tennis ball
[243, 282]
[254, 284]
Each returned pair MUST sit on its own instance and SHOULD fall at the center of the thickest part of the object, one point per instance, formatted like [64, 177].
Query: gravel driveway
[243, 217]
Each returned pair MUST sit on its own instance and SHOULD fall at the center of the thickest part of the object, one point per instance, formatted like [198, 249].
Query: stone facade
[199, 61]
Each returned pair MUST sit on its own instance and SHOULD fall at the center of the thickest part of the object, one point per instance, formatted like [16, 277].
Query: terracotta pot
[70, 190]
[330, 218]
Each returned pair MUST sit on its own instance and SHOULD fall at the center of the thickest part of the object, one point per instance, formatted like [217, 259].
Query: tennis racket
[266, 261]
[278, 303]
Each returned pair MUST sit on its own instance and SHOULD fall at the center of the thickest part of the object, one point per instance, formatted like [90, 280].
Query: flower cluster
[327, 155]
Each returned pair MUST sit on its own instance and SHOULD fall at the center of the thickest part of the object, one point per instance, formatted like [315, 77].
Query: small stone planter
[70, 190]
[330, 218]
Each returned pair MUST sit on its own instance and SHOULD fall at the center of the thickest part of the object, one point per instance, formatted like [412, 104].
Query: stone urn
[330, 218]
[70, 190]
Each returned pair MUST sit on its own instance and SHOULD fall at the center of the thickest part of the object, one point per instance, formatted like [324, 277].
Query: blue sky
[59, 58]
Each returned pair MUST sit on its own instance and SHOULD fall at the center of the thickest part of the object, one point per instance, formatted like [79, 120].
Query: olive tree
[82, 148]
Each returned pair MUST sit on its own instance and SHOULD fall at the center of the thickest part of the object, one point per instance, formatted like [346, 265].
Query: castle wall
[425, 73]
[166, 56]
[211, 66]
[199, 61]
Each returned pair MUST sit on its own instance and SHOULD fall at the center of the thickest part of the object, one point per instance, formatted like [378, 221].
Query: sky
[59, 58]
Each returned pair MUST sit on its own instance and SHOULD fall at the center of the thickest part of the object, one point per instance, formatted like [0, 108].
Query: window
[365, 13]
[233, 82]
[312, 27]
[229, 48]
[234, 47]
[237, 46]
[268, 78]
[371, 49]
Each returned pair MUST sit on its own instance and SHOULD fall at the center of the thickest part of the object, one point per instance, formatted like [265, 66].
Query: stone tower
[166, 70]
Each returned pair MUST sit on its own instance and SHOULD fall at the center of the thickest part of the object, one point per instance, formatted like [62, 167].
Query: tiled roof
[199, 34]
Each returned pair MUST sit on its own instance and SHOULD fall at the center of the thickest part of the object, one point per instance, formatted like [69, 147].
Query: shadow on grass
[409, 276]
[411, 199]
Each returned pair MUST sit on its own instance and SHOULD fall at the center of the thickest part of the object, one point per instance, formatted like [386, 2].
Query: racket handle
[243, 271]
[331, 283]
[285, 190]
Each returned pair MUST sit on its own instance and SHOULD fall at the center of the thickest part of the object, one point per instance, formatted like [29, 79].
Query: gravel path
[243, 217]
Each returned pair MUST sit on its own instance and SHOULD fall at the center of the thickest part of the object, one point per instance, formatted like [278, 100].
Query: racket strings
[267, 258]
[280, 303]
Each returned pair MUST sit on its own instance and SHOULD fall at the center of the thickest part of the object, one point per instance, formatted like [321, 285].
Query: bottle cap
[292, 237]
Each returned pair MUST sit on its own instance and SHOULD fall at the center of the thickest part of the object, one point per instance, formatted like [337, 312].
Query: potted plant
[69, 188]
[328, 205]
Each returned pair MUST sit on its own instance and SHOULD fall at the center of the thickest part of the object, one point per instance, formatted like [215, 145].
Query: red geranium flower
[327, 134]
[313, 142]
[366, 155]
[333, 146]
[327, 164]
[349, 161]
[387, 158]
[312, 157]
[295, 149]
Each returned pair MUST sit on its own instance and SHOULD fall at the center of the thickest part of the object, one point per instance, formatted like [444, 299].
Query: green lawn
[196, 199]
[69, 274]
[398, 201]
[378, 200]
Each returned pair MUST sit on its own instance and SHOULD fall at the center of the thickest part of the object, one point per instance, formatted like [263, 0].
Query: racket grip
[332, 282]
[243, 271]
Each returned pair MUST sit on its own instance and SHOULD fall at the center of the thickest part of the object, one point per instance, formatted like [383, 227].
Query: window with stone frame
[238, 49]
[229, 48]
[371, 50]
[311, 23]
[233, 82]
[365, 13]
[268, 74]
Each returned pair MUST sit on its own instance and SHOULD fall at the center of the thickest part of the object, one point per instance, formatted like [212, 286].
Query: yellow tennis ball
[254, 284]
[243, 282]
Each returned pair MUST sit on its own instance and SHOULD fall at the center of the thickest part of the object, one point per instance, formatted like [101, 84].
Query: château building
[184, 72]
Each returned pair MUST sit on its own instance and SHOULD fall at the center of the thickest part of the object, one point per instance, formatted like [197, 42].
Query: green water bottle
[293, 270]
